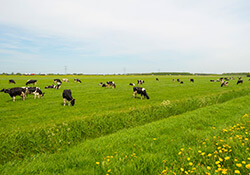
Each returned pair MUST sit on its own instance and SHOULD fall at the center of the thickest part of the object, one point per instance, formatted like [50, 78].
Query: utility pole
[65, 69]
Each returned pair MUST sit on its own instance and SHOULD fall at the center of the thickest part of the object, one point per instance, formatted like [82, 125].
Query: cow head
[73, 102]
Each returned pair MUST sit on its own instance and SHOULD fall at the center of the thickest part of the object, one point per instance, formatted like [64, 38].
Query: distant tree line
[152, 73]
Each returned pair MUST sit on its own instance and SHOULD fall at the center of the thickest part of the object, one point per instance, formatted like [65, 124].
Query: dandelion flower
[188, 158]
[190, 163]
[227, 158]
[208, 167]
[237, 172]
[154, 139]
[217, 162]
[243, 162]
[97, 163]
[239, 165]
[248, 166]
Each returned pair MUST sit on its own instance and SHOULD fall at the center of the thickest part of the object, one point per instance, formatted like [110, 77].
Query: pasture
[142, 136]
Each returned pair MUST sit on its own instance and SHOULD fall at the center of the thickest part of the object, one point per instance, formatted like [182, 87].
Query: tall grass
[21, 143]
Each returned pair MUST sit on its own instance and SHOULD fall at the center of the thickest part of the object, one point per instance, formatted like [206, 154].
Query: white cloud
[214, 30]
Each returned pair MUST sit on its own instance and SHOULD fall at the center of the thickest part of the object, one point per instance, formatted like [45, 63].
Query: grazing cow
[34, 90]
[13, 92]
[51, 86]
[239, 81]
[57, 80]
[212, 80]
[192, 80]
[224, 83]
[58, 85]
[178, 80]
[100, 84]
[249, 79]
[111, 83]
[104, 85]
[67, 97]
[12, 81]
[31, 82]
[181, 82]
[77, 80]
[131, 84]
[140, 90]
[65, 80]
[173, 80]
[140, 82]
[157, 79]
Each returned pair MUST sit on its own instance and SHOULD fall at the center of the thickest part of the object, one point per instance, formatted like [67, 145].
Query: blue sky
[124, 36]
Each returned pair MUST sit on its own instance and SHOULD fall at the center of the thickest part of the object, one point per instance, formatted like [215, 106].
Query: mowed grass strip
[60, 136]
[155, 147]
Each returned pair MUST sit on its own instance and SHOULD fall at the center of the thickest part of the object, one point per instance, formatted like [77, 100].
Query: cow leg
[64, 101]
[141, 96]
[134, 94]
[23, 96]
[68, 103]
[13, 98]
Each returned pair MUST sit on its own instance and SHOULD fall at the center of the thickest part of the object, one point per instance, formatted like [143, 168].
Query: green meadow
[190, 128]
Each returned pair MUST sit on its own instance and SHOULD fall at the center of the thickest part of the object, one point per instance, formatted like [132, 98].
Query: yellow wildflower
[109, 170]
[239, 165]
[190, 163]
[188, 158]
[208, 167]
[224, 171]
[243, 162]
[217, 162]
[227, 158]
[182, 169]
[209, 155]
[97, 163]
[248, 166]
[237, 172]
[182, 149]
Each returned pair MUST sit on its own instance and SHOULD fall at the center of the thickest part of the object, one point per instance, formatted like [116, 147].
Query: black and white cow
[111, 84]
[141, 91]
[181, 82]
[34, 90]
[157, 79]
[173, 80]
[140, 82]
[212, 80]
[50, 87]
[77, 80]
[100, 84]
[57, 86]
[239, 81]
[31, 82]
[132, 84]
[12, 81]
[65, 80]
[223, 83]
[191, 80]
[57, 80]
[13, 92]
[67, 97]
[178, 80]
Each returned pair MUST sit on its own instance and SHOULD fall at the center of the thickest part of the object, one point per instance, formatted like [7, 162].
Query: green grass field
[109, 132]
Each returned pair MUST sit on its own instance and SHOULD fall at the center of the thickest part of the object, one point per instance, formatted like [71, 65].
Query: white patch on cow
[143, 89]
